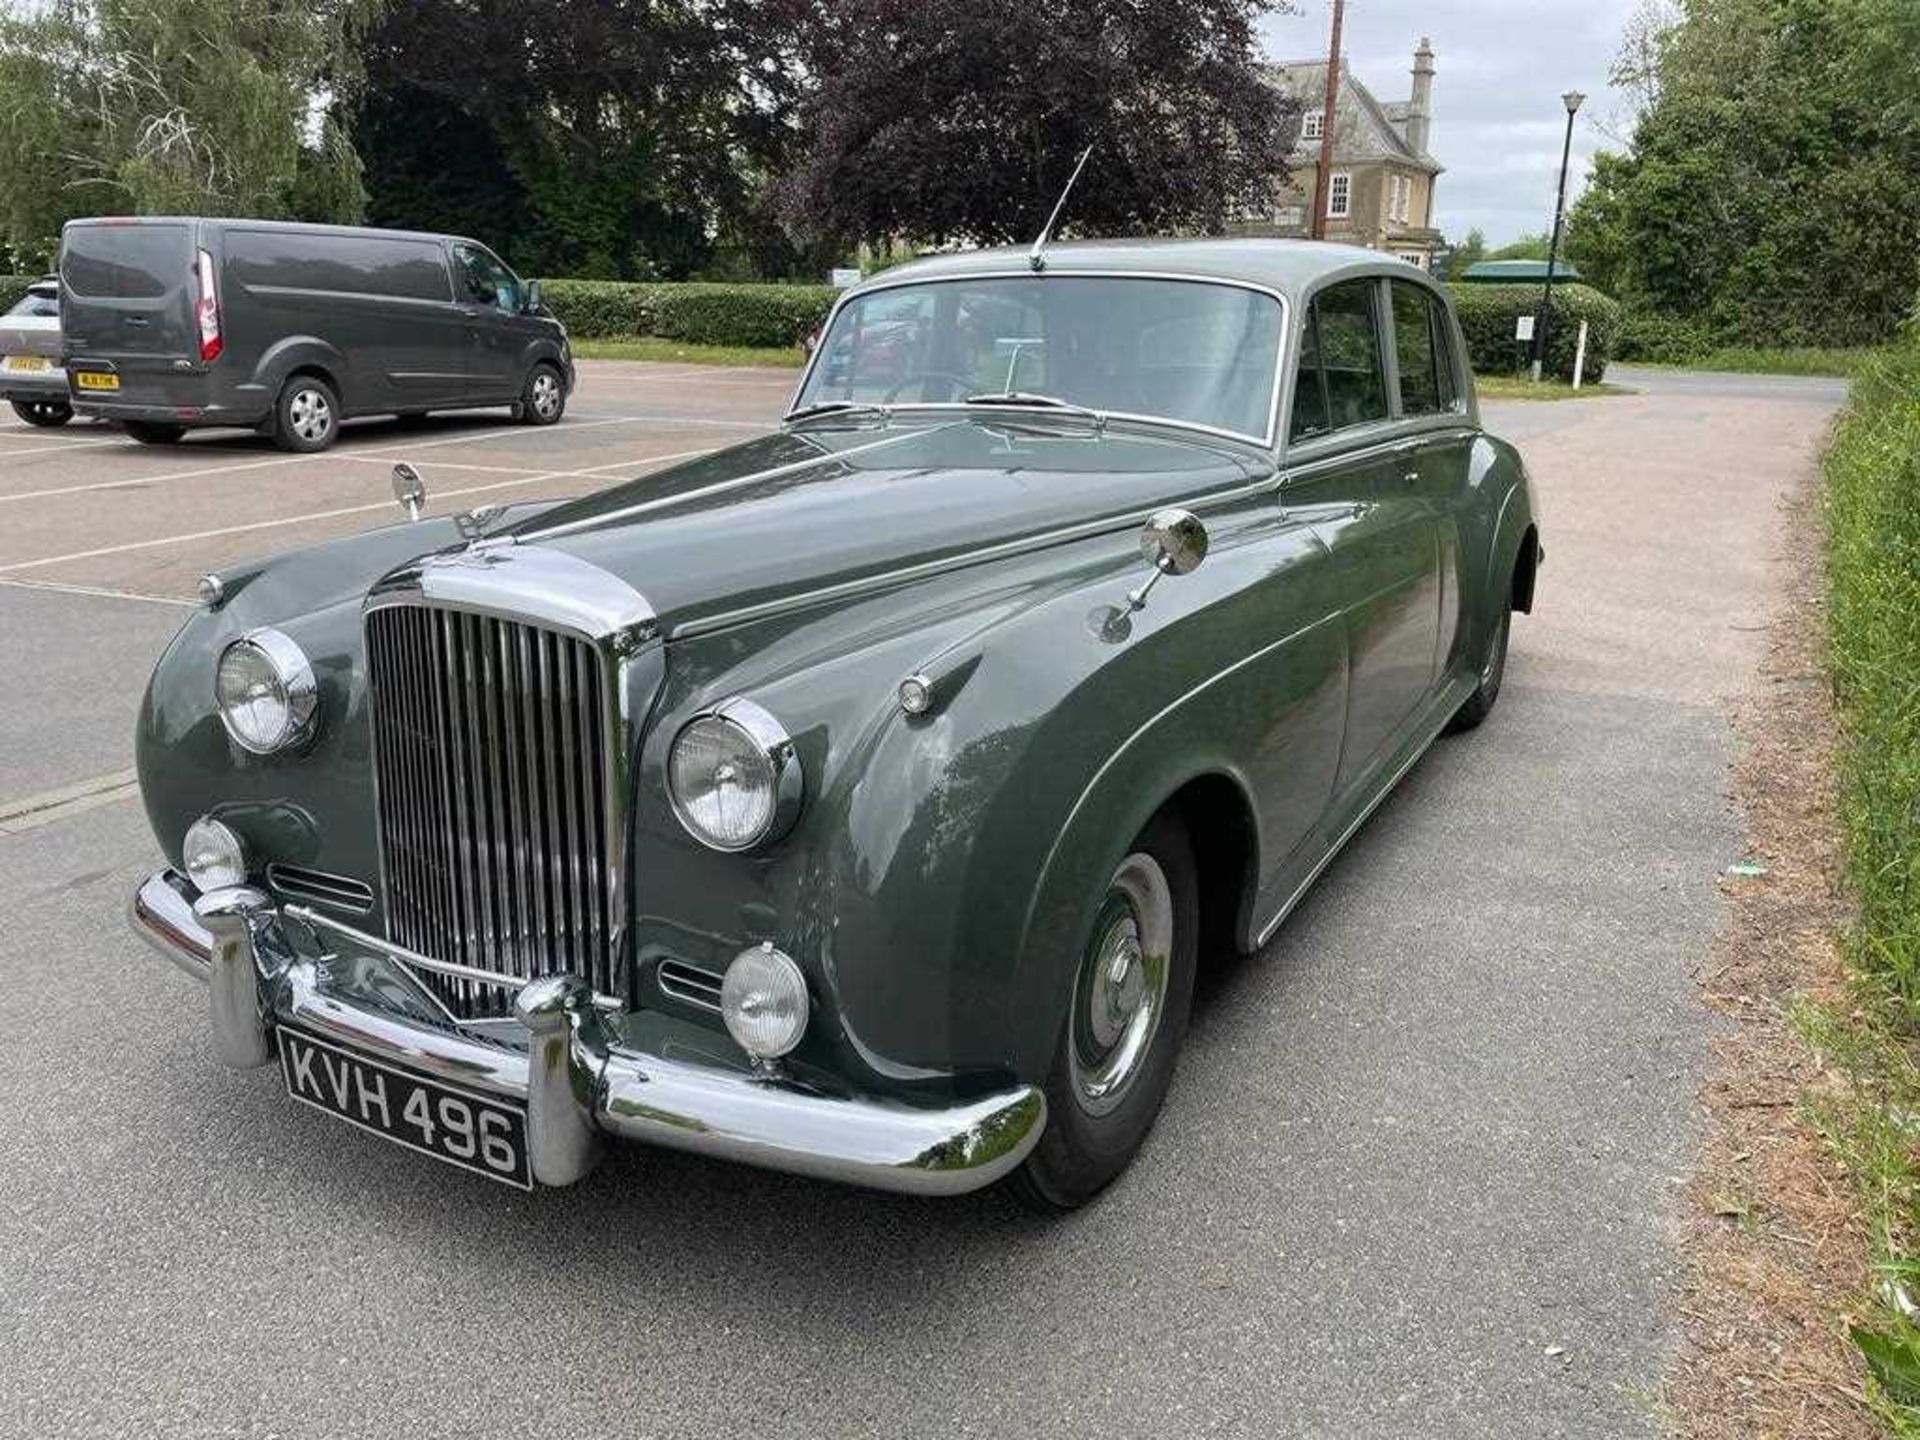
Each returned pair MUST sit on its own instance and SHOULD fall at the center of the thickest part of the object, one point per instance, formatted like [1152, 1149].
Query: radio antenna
[1035, 257]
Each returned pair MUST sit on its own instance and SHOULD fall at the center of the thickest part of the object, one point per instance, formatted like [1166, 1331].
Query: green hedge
[704, 314]
[1488, 314]
[12, 287]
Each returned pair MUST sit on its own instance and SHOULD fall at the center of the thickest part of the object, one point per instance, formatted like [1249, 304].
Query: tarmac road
[1419, 1175]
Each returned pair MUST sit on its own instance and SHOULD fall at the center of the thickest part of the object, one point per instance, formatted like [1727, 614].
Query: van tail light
[206, 310]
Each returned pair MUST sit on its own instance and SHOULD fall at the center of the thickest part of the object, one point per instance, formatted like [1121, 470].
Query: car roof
[1291, 267]
[367, 232]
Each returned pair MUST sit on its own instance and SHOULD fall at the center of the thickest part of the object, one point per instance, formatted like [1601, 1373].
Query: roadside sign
[844, 278]
[1523, 328]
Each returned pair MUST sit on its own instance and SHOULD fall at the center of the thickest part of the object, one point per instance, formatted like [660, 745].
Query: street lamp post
[1572, 101]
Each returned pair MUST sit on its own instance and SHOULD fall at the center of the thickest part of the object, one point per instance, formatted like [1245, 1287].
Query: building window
[1290, 216]
[1311, 123]
[1399, 198]
[1339, 195]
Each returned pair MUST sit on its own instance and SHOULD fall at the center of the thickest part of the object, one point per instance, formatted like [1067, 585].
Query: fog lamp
[213, 856]
[763, 999]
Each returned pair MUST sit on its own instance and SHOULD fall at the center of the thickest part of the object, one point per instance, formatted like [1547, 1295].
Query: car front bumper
[576, 1079]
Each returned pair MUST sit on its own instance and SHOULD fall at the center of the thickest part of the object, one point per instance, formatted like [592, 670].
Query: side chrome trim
[579, 1083]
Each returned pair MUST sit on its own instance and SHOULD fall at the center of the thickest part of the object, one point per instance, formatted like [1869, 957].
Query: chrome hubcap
[546, 395]
[310, 415]
[1121, 990]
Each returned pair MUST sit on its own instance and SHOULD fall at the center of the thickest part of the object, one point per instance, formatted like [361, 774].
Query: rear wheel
[45, 413]
[544, 400]
[1132, 994]
[155, 432]
[1492, 671]
[307, 416]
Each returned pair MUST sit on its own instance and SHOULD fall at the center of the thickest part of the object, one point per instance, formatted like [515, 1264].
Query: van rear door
[127, 305]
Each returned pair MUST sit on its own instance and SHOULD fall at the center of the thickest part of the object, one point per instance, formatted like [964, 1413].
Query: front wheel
[1492, 671]
[544, 399]
[45, 413]
[1132, 994]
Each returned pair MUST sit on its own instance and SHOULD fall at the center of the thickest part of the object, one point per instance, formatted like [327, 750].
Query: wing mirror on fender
[1174, 542]
[532, 305]
[409, 489]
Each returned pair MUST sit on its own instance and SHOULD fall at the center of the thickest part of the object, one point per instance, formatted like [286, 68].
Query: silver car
[30, 373]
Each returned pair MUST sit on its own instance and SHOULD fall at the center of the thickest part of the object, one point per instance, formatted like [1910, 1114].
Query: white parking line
[147, 480]
[52, 449]
[94, 590]
[323, 515]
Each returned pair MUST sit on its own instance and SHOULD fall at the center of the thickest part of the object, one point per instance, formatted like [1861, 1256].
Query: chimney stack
[1420, 107]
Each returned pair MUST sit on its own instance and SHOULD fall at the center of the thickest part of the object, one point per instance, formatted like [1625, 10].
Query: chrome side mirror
[409, 489]
[1174, 542]
[532, 305]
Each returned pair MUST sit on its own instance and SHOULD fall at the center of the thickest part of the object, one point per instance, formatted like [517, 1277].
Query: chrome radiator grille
[491, 752]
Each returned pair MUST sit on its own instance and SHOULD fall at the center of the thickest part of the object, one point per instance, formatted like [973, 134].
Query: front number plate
[457, 1126]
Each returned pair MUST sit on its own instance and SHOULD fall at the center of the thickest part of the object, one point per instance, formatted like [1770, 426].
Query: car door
[490, 299]
[1432, 406]
[1351, 475]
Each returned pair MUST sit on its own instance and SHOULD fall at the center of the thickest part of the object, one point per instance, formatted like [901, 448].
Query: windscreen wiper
[840, 407]
[1030, 400]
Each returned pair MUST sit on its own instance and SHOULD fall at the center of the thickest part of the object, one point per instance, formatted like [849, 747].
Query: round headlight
[212, 856]
[733, 777]
[763, 999]
[265, 692]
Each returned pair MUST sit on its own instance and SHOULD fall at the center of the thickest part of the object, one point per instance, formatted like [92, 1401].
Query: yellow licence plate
[95, 380]
[18, 363]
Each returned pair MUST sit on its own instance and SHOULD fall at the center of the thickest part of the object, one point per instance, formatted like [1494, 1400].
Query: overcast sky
[1500, 67]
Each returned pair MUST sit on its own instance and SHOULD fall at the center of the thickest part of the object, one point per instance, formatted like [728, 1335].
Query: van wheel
[155, 432]
[1132, 994]
[44, 413]
[307, 416]
[1493, 670]
[544, 400]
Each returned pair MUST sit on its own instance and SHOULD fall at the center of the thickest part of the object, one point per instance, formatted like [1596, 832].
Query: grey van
[174, 323]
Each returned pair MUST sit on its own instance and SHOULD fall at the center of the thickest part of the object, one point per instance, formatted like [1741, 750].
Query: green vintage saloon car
[857, 801]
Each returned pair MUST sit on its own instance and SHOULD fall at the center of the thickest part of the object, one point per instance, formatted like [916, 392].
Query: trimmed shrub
[1488, 314]
[1663, 339]
[12, 287]
[705, 314]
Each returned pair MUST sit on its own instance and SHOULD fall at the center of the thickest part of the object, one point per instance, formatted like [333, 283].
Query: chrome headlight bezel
[759, 731]
[293, 672]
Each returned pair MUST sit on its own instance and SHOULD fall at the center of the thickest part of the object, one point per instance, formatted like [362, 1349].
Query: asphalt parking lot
[1420, 1174]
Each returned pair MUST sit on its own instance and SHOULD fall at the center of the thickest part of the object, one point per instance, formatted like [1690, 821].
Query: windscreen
[1190, 351]
[124, 262]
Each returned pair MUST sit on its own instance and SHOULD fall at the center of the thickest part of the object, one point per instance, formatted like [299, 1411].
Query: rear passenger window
[338, 264]
[124, 262]
[1344, 347]
[1309, 387]
[1413, 350]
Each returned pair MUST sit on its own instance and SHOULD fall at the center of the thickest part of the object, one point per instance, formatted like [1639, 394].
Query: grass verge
[1519, 387]
[1873, 1037]
[681, 352]
[1792, 360]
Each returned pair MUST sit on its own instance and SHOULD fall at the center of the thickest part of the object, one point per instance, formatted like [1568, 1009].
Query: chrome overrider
[577, 1080]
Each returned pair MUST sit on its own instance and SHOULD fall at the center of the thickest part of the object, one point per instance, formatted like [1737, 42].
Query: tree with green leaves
[937, 120]
[1771, 192]
[174, 106]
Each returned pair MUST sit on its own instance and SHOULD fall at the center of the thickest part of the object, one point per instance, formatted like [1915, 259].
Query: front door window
[486, 280]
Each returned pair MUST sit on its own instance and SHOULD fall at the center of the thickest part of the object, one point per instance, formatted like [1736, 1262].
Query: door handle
[139, 322]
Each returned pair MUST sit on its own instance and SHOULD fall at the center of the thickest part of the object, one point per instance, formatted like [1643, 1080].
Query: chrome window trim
[1265, 441]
